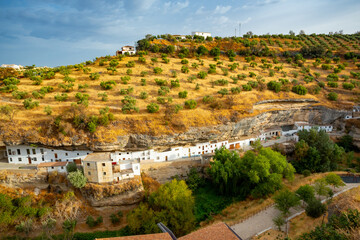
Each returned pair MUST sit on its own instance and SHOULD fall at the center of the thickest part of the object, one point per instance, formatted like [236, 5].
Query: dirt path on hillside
[263, 220]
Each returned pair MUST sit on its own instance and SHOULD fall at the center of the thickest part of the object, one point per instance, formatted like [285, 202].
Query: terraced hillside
[172, 85]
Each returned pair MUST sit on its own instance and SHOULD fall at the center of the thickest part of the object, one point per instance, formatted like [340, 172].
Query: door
[166, 158]
[55, 155]
[29, 158]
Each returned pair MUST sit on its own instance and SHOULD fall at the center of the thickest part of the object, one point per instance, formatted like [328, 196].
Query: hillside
[223, 87]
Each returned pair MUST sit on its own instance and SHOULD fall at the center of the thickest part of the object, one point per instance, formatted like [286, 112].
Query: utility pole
[235, 32]
[239, 29]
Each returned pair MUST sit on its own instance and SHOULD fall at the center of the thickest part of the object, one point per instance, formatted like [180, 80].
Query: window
[9, 151]
[34, 151]
[88, 164]
[52, 167]
[18, 151]
[19, 159]
[28, 151]
[78, 154]
[34, 159]
[41, 151]
[55, 155]
[66, 154]
[104, 173]
[43, 159]
[52, 160]
[10, 159]
[103, 164]
[62, 167]
[89, 173]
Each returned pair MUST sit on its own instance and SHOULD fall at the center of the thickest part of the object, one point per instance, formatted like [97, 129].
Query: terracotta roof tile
[214, 232]
[156, 236]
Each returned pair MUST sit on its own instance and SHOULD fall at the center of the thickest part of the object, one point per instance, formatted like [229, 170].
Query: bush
[104, 96]
[184, 61]
[143, 95]
[71, 167]
[306, 173]
[348, 86]
[125, 79]
[30, 104]
[157, 70]
[191, 104]
[333, 84]
[202, 75]
[183, 94]
[143, 82]
[223, 92]
[246, 87]
[94, 76]
[114, 219]
[19, 94]
[208, 99]
[275, 86]
[321, 84]
[184, 69]
[175, 83]
[332, 96]
[77, 178]
[160, 82]
[130, 64]
[152, 108]
[315, 208]
[48, 110]
[90, 221]
[107, 85]
[235, 90]
[332, 77]
[299, 89]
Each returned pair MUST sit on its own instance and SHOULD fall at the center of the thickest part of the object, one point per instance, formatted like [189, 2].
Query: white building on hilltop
[14, 66]
[203, 34]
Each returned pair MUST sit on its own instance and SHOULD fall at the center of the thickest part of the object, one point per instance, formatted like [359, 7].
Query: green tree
[71, 167]
[172, 204]
[77, 179]
[152, 108]
[215, 52]
[334, 180]
[201, 50]
[284, 201]
[306, 193]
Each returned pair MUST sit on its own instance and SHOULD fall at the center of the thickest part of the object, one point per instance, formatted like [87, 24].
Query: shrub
[125, 79]
[326, 67]
[114, 219]
[333, 84]
[104, 96]
[299, 89]
[332, 77]
[332, 96]
[83, 87]
[348, 86]
[315, 208]
[183, 94]
[130, 64]
[306, 173]
[252, 74]
[48, 110]
[157, 70]
[143, 82]
[223, 92]
[71, 167]
[30, 104]
[160, 82]
[184, 61]
[19, 94]
[321, 84]
[235, 90]
[208, 99]
[246, 87]
[90, 221]
[184, 69]
[107, 85]
[275, 86]
[129, 71]
[143, 73]
[202, 75]
[152, 108]
[77, 179]
[143, 95]
[175, 83]
[61, 97]
[191, 104]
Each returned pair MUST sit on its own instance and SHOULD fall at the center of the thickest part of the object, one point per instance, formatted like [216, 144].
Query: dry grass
[155, 124]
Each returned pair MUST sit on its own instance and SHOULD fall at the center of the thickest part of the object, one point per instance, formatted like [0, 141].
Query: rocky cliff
[271, 114]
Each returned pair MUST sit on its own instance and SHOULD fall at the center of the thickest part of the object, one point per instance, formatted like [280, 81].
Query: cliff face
[286, 113]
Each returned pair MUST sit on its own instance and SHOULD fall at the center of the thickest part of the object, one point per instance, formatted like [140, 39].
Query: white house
[22, 154]
[59, 167]
[203, 34]
[307, 126]
[126, 49]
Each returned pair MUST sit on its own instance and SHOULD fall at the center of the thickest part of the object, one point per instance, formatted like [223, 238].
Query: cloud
[221, 9]
[200, 10]
[246, 21]
[175, 6]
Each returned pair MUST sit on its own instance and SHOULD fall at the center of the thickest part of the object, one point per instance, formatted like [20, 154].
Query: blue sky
[62, 32]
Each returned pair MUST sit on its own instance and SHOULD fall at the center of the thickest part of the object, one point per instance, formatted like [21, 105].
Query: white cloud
[221, 9]
[200, 10]
[175, 6]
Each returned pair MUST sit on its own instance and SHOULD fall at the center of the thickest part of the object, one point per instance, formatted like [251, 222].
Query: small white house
[14, 66]
[203, 34]
[126, 49]
[59, 167]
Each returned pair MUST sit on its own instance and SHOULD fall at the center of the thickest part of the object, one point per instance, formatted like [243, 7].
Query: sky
[63, 32]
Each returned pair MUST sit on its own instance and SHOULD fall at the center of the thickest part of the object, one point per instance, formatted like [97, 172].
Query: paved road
[263, 220]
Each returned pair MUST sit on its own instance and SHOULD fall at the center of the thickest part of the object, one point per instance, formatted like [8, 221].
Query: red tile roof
[156, 236]
[52, 164]
[214, 232]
